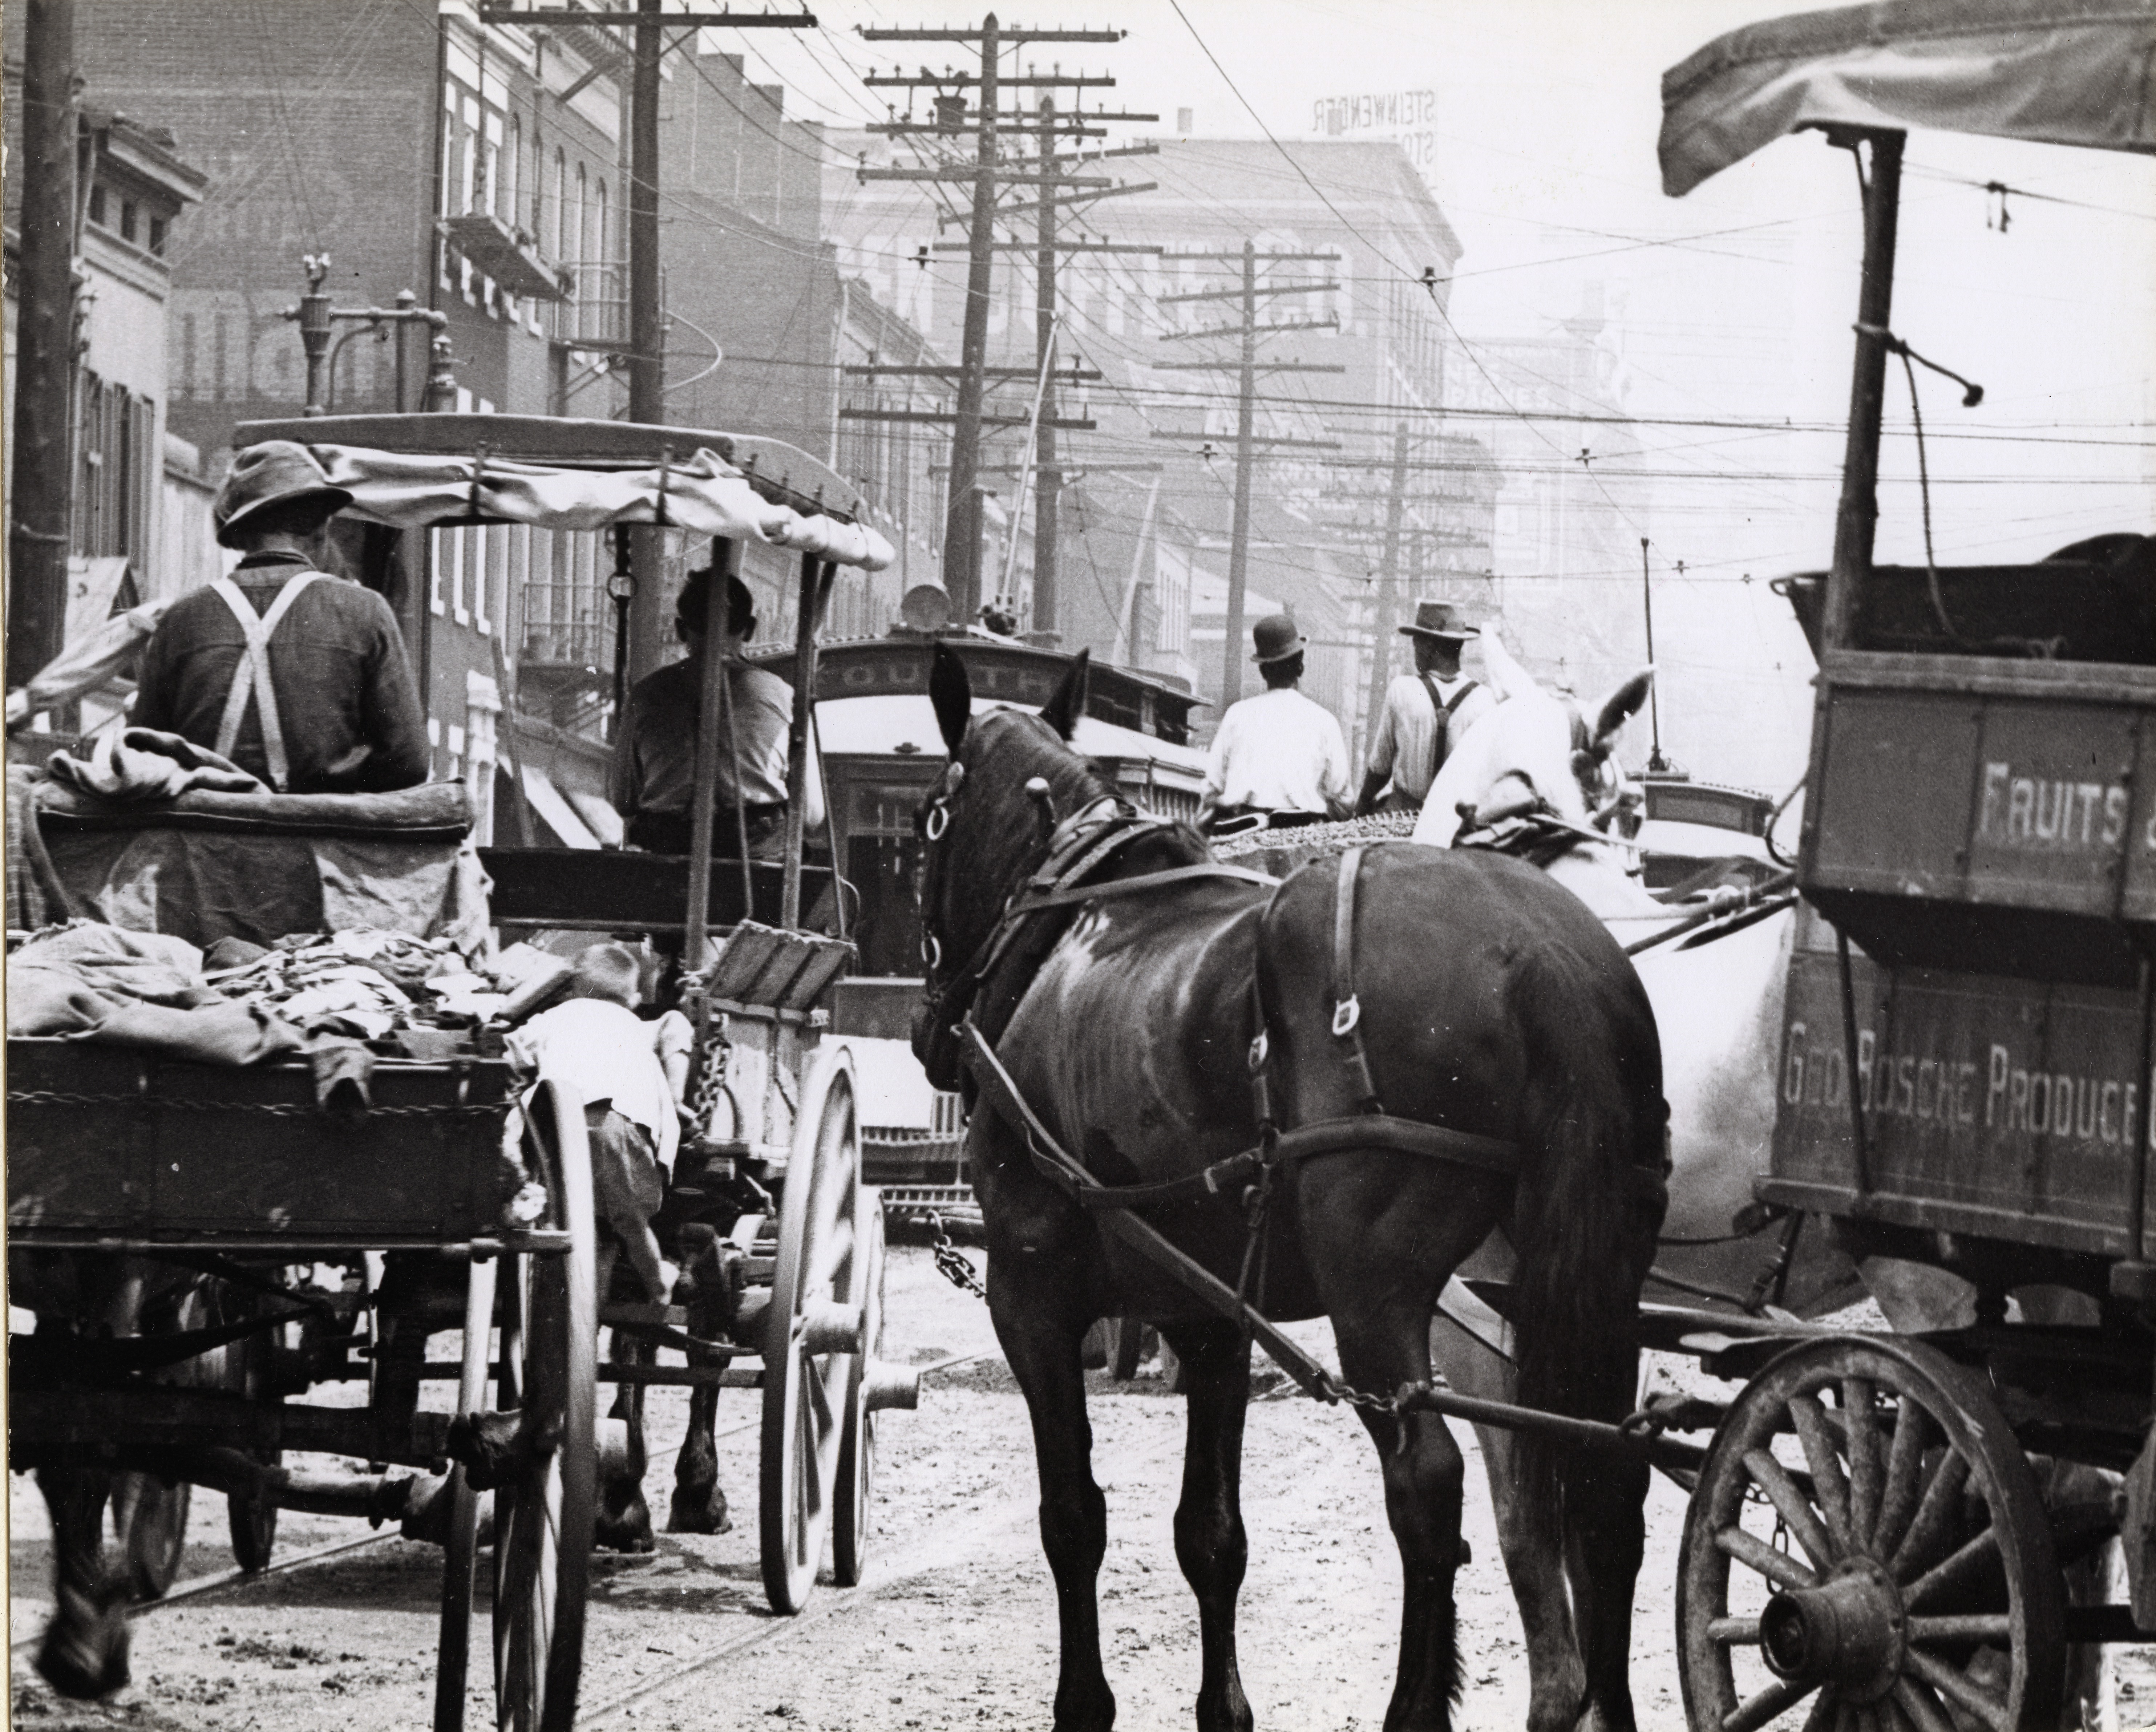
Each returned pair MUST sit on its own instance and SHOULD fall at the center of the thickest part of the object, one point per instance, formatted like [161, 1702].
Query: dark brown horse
[1491, 1003]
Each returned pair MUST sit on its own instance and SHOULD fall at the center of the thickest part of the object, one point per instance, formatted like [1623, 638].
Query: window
[127, 219]
[554, 207]
[598, 243]
[115, 474]
[97, 206]
[157, 236]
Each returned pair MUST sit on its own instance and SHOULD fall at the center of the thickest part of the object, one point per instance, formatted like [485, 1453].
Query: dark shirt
[346, 696]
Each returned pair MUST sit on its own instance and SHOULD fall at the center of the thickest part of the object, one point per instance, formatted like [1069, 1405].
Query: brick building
[483, 169]
[137, 533]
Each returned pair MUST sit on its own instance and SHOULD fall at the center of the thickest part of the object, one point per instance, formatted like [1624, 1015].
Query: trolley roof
[425, 471]
[2075, 72]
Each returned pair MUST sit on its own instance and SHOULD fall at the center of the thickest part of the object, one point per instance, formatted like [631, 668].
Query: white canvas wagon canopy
[2075, 72]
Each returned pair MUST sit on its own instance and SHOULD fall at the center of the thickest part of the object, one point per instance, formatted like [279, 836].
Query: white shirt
[1407, 729]
[1279, 752]
[606, 1052]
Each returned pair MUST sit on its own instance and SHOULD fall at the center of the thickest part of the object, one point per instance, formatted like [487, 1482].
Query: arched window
[599, 224]
[582, 216]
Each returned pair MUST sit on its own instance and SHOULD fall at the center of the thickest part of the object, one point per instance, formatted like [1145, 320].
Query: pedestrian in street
[1427, 713]
[1278, 753]
[297, 676]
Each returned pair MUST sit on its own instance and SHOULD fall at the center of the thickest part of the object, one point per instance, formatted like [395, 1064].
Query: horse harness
[951, 1037]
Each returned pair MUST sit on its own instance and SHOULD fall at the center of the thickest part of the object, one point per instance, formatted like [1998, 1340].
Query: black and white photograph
[1254, 864]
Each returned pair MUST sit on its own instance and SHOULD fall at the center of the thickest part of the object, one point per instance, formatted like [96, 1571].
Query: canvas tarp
[2074, 72]
[704, 493]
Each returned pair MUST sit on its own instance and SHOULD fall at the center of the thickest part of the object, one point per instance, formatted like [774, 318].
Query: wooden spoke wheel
[150, 1519]
[543, 1512]
[813, 1333]
[851, 1517]
[1866, 1548]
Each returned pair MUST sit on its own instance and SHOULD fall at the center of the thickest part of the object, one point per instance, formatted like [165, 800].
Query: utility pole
[961, 540]
[647, 331]
[41, 497]
[1655, 761]
[1048, 481]
[647, 328]
[1247, 438]
[1385, 611]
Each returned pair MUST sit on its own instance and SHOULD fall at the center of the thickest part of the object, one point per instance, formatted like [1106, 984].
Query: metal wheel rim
[852, 1518]
[150, 1519]
[1888, 1494]
[804, 1393]
[543, 1522]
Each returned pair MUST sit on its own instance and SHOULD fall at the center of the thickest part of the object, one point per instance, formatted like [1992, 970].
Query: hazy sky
[1734, 301]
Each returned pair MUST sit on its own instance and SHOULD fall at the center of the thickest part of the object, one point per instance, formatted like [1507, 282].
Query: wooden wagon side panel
[2001, 1107]
[112, 1142]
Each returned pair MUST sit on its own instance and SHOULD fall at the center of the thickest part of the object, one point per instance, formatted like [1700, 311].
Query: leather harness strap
[251, 678]
[1347, 1008]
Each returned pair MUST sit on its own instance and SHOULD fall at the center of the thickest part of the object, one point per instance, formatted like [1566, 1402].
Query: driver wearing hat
[297, 677]
[1427, 713]
[1278, 752]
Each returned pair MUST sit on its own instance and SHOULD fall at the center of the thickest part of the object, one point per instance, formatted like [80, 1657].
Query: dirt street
[954, 1627]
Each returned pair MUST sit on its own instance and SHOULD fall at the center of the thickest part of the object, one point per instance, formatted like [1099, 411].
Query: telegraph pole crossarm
[1009, 211]
[1329, 322]
[1256, 438]
[1237, 294]
[1009, 177]
[1224, 366]
[859, 370]
[1061, 246]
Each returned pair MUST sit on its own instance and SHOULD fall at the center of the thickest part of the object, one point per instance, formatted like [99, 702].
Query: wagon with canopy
[1881, 1528]
[250, 1178]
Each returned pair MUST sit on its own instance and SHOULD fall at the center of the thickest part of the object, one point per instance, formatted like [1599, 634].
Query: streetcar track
[198, 1586]
[947, 1545]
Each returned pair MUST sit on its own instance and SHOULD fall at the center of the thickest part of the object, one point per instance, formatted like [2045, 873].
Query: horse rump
[1592, 1191]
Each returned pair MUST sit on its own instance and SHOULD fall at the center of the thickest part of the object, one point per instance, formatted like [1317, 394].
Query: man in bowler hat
[296, 676]
[1427, 713]
[1280, 752]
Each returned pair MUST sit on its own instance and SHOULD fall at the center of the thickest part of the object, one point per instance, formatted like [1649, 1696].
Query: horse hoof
[496, 1448]
[84, 1652]
[628, 1529]
[706, 1514]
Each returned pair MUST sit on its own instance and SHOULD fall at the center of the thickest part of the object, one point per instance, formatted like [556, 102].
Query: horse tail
[1590, 1197]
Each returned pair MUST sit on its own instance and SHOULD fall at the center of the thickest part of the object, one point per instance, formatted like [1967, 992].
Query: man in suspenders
[1427, 713]
[296, 676]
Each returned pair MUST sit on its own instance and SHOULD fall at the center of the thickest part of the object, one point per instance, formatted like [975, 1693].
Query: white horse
[1719, 1008]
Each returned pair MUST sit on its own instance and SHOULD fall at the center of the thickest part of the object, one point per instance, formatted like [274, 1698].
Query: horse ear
[1620, 706]
[951, 692]
[1061, 712]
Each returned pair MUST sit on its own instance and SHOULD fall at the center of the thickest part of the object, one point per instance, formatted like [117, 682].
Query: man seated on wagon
[653, 781]
[1278, 753]
[297, 676]
[1427, 713]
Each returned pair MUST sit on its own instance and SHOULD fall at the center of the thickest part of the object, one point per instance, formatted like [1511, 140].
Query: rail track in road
[200, 1587]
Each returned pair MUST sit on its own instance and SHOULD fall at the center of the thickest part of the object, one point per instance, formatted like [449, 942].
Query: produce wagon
[1879, 1532]
[237, 1172]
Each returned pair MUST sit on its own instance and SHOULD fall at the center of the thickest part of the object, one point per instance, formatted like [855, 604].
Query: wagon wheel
[1890, 1546]
[811, 1333]
[149, 1518]
[856, 1484]
[460, 1542]
[543, 1512]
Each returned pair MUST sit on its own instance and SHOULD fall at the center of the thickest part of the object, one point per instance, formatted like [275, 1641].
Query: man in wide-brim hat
[294, 674]
[1427, 713]
[1278, 752]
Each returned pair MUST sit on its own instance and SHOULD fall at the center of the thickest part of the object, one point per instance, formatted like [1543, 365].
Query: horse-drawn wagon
[172, 1219]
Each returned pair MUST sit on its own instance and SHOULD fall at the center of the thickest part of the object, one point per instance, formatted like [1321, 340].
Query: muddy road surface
[954, 1626]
